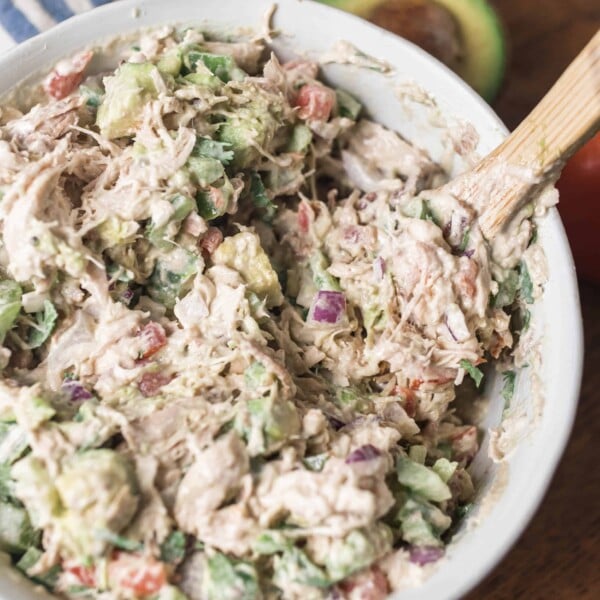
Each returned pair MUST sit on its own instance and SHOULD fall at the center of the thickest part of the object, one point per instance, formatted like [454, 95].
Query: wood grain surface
[558, 556]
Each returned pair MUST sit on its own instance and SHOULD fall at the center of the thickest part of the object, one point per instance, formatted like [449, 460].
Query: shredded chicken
[234, 320]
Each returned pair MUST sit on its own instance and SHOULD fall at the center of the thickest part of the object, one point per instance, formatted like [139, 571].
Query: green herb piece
[426, 213]
[260, 198]
[255, 375]
[172, 550]
[475, 373]
[229, 579]
[508, 389]
[525, 283]
[118, 541]
[465, 241]
[45, 322]
[210, 148]
[507, 290]
[271, 542]
[295, 566]
[10, 305]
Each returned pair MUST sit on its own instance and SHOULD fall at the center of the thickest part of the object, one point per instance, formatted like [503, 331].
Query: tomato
[315, 102]
[150, 383]
[370, 584]
[67, 76]
[142, 575]
[210, 241]
[85, 575]
[303, 217]
[579, 207]
[153, 338]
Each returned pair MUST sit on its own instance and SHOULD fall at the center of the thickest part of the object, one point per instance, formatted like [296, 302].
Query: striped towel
[22, 19]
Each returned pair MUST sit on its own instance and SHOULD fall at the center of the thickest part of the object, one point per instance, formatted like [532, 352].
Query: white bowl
[509, 493]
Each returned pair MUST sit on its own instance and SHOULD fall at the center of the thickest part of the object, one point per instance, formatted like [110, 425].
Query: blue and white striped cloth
[22, 19]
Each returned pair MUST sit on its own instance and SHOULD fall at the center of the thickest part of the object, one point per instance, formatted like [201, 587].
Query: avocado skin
[483, 59]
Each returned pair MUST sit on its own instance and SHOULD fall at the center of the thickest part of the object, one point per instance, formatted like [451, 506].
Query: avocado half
[480, 35]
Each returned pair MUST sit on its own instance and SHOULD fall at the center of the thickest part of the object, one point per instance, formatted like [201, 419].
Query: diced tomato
[303, 217]
[67, 75]
[409, 400]
[150, 383]
[142, 575]
[211, 240]
[85, 575]
[371, 584]
[315, 102]
[153, 338]
[415, 384]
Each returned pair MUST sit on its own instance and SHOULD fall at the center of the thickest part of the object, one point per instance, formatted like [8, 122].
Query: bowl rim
[542, 477]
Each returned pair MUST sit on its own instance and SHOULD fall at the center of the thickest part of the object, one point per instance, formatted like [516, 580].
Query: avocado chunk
[99, 494]
[244, 253]
[465, 34]
[132, 86]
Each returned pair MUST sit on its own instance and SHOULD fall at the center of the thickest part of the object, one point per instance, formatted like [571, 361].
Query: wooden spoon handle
[567, 116]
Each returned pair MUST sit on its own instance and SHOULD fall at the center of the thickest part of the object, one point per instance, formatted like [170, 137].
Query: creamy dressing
[243, 314]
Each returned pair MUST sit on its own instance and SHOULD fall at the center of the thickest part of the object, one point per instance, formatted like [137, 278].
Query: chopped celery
[13, 442]
[16, 532]
[444, 468]
[204, 170]
[221, 66]
[228, 579]
[172, 276]
[422, 480]
[300, 139]
[170, 62]
[29, 559]
[348, 105]
[357, 550]
[322, 279]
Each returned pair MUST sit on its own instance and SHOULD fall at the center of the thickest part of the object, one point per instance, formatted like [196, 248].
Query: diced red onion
[449, 329]
[127, 296]
[423, 555]
[76, 391]
[327, 307]
[364, 453]
[335, 423]
[379, 267]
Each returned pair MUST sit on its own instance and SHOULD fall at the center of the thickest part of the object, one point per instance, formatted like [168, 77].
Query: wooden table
[558, 556]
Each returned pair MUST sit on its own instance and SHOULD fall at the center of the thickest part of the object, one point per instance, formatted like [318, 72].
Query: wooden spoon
[534, 154]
